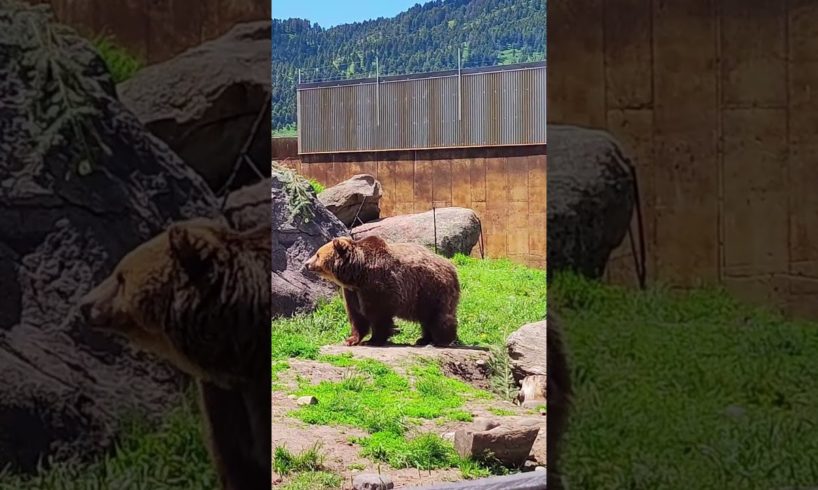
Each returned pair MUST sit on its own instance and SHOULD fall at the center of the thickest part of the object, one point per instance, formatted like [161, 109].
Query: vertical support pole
[299, 76]
[459, 87]
[377, 91]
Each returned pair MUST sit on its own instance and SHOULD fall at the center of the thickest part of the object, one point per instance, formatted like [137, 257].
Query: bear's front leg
[359, 323]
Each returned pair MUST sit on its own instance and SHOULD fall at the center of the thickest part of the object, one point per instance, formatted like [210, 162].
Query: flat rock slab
[471, 364]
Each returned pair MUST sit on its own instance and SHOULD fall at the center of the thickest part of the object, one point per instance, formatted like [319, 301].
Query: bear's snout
[310, 264]
[89, 312]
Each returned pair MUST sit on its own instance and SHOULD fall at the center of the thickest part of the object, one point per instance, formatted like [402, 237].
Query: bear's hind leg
[359, 323]
[442, 332]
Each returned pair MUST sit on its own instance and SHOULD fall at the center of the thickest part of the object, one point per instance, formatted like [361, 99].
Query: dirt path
[342, 456]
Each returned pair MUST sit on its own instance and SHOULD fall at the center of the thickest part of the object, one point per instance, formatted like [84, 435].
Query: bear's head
[344, 260]
[332, 259]
[163, 295]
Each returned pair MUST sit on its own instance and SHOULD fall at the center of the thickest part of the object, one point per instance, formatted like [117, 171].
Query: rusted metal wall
[496, 106]
[712, 101]
[505, 186]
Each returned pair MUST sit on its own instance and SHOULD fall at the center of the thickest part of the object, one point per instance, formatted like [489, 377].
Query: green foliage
[424, 38]
[66, 112]
[674, 387]
[500, 412]
[170, 456]
[286, 131]
[300, 192]
[317, 186]
[121, 64]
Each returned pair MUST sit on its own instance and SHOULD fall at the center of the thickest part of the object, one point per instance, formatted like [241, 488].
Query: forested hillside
[424, 38]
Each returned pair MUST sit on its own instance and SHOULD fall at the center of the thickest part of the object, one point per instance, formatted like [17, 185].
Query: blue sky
[330, 13]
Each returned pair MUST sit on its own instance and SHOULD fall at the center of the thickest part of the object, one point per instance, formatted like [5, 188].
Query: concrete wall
[505, 186]
[712, 98]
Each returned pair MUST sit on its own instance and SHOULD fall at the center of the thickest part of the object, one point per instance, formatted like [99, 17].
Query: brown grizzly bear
[198, 295]
[381, 281]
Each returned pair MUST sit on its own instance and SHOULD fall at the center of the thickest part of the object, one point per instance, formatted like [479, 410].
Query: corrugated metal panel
[488, 108]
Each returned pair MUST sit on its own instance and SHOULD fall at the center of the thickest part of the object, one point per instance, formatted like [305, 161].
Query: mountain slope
[424, 38]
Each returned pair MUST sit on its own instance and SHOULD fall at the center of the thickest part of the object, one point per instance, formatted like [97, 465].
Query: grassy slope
[678, 388]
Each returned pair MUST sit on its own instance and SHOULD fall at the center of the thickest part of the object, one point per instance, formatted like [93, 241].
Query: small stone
[372, 481]
[539, 468]
[484, 423]
[480, 362]
[449, 436]
[292, 397]
[307, 400]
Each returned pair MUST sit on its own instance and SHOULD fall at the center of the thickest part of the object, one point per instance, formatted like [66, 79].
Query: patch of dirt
[342, 457]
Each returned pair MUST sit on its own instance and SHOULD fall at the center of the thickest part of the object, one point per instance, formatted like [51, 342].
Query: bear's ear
[189, 249]
[342, 245]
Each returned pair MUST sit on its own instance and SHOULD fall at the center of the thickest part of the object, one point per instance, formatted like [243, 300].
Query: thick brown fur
[199, 296]
[381, 281]
[559, 393]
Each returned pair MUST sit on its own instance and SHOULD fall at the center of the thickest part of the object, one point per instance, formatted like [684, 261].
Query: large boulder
[76, 194]
[451, 230]
[590, 199]
[249, 207]
[296, 236]
[527, 350]
[359, 196]
[207, 119]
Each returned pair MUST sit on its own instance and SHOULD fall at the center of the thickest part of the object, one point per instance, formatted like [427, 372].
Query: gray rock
[207, 119]
[307, 400]
[508, 445]
[457, 230]
[295, 239]
[590, 199]
[359, 195]
[539, 468]
[448, 436]
[372, 481]
[67, 220]
[526, 348]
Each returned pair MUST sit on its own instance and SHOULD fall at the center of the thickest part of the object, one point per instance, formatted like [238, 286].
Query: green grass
[373, 397]
[501, 412]
[305, 469]
[424, 452]
[169, 456]
[317, 480]
[673, 388]
[121, 64]
[285, 462]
